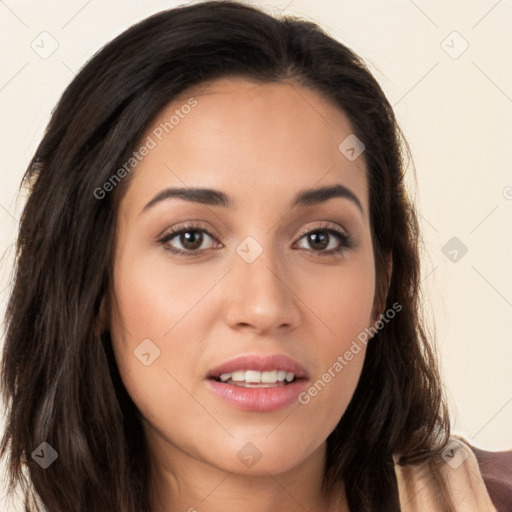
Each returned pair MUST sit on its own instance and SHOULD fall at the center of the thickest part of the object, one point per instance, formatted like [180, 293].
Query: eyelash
[346, 239]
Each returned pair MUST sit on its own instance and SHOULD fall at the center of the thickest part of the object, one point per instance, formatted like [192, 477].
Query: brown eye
[191, 240]
[323, 241]
[187, 239]
[319, 239]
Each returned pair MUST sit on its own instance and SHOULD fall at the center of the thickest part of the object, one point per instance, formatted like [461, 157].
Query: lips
[259, 363]
[255, 383]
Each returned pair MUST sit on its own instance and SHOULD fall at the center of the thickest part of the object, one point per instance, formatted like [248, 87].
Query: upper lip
[259, 362]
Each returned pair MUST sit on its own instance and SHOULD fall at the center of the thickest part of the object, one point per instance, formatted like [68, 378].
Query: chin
[263, 455]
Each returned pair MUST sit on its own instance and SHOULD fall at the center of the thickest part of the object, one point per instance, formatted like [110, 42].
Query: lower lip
[258, 399]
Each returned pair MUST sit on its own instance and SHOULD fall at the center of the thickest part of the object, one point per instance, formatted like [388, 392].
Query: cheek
[343, 306]
[154, 297]
[342, 301]
[156, 329]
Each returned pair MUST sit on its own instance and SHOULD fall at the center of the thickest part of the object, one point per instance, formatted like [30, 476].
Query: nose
[260, 297]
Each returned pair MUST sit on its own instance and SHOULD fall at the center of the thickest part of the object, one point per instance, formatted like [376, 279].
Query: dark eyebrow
[212, 197]
[314, 196]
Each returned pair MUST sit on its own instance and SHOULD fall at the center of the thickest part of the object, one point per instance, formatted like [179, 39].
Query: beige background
[455, 108]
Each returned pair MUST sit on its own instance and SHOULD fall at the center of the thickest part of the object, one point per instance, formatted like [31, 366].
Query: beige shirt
[418, 493]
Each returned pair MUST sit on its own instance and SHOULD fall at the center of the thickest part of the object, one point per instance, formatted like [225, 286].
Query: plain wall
[454, 107]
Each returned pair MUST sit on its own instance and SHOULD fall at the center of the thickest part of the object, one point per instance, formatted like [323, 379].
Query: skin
[260, 144]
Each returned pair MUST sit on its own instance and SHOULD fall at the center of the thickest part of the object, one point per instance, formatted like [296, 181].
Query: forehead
[245, 137]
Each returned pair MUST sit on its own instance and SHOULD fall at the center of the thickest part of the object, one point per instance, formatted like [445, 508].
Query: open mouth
[273, 386]
[257, 379]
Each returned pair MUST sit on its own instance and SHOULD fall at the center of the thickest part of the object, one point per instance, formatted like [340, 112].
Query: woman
[216, 295]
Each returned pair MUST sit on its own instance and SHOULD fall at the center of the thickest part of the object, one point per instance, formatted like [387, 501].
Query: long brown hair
[60, 382]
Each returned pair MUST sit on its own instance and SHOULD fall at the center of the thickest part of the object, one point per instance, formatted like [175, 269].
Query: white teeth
[281, 375]
[254, 376]
[269, 377]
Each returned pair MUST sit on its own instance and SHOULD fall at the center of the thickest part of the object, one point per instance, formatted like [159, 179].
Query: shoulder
[496, 471]
[474, 479]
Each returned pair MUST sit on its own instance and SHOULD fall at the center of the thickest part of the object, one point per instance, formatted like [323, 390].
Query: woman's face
[257, 277]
